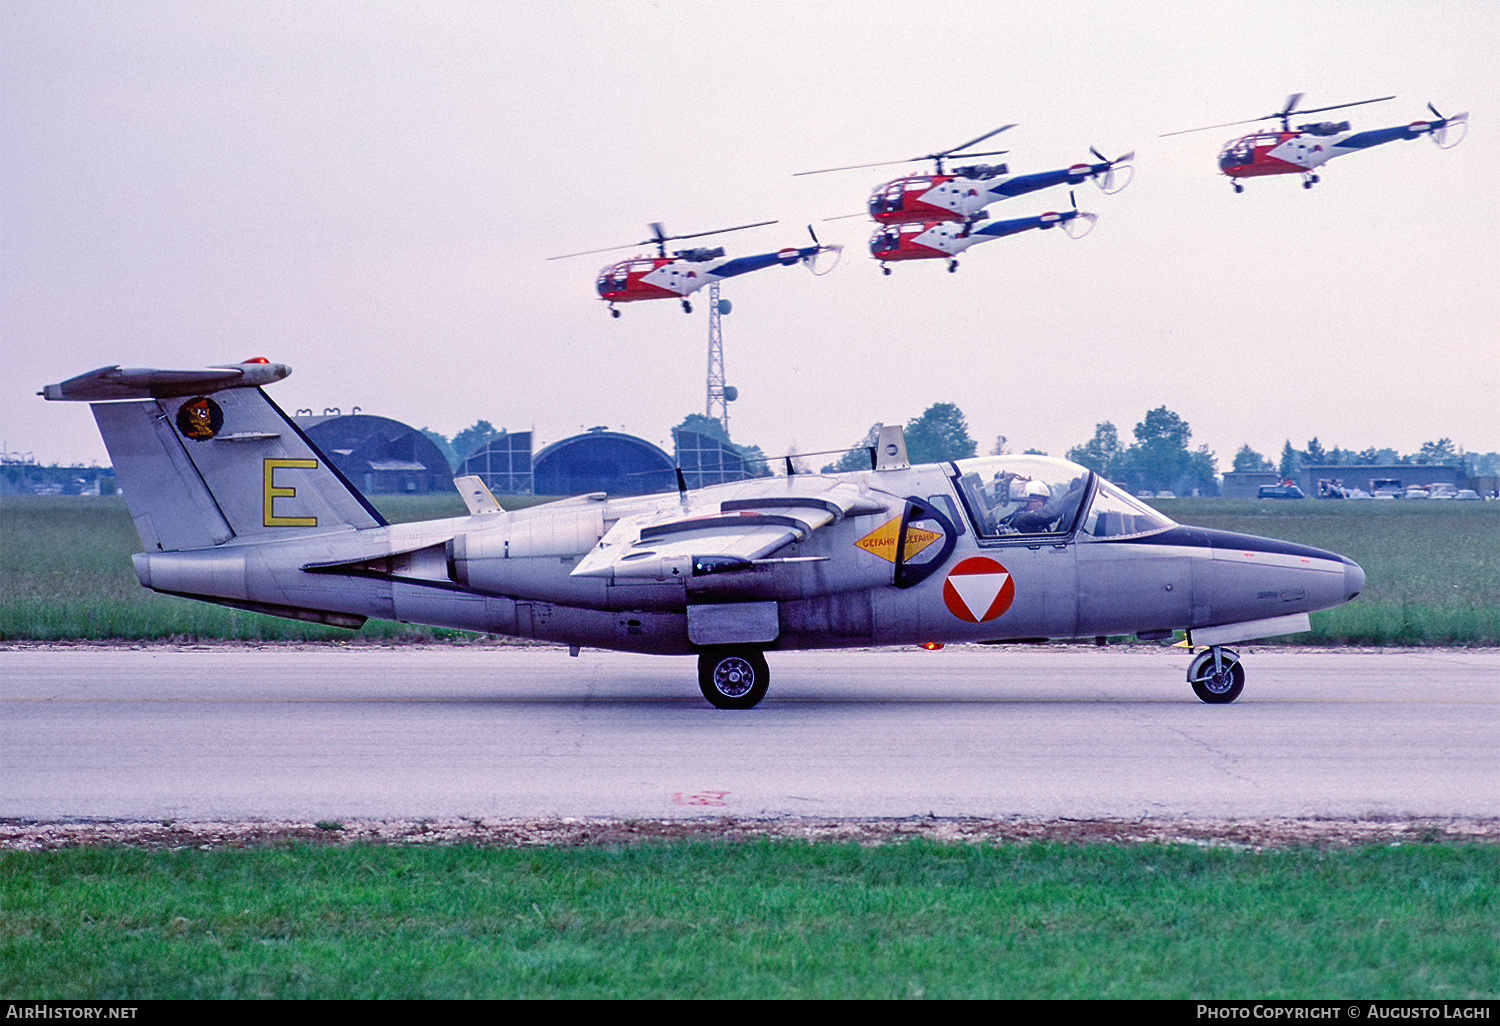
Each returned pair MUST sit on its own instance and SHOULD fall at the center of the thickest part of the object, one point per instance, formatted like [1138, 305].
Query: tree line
[1160, 457]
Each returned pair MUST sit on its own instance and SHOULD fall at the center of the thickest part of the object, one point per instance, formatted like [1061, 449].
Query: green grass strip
[1433, 572]
[756, 920]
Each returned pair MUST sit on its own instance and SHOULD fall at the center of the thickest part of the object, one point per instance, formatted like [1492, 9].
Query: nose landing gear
[1217, 676]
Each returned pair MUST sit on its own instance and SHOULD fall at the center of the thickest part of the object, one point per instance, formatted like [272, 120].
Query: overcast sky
[367, 192]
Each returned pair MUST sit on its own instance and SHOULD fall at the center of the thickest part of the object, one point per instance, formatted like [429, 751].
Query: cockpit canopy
[1010, 496]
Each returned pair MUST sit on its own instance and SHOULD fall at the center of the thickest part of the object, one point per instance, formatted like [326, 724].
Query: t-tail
[204, 456]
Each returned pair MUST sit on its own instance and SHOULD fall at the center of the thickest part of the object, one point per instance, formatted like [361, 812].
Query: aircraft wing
[735, 533]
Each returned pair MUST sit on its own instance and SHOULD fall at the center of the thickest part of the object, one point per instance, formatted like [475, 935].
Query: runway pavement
[322, 732]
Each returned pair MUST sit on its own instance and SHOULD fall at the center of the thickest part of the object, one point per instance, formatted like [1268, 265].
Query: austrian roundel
[979, 589]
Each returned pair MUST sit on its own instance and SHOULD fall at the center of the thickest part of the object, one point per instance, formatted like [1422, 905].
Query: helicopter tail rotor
[1449, 132]
[1081, 223]
[815, 261]
[1119, 173]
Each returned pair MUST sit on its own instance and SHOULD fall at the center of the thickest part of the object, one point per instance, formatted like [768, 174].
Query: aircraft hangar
[381, 456]
[378, 455]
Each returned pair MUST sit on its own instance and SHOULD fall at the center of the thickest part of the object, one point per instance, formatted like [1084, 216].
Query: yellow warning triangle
[882, 540]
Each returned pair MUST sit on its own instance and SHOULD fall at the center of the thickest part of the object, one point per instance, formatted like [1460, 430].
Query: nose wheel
[733, 678]
[612, 311]
[1217, 676]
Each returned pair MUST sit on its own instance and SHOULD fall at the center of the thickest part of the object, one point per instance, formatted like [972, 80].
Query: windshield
[1021, 495]
[1114, 514]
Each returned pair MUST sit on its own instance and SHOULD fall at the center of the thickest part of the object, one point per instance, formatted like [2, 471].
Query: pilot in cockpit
[1042, 512]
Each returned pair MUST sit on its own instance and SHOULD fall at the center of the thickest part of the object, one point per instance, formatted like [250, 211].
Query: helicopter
[1284, 151]
[962, 193]
[938, 240]
[688, 270]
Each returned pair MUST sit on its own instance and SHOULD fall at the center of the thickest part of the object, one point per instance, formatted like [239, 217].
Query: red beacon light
[256, 359]
[932, 646]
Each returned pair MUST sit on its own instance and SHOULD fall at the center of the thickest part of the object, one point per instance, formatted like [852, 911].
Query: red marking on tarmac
[715, 798]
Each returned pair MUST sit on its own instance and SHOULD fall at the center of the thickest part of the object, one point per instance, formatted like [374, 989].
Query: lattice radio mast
[720, 395]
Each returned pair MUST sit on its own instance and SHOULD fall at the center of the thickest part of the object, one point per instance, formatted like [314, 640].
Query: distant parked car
[1359, 493]
[1167, 494]
[1281, 491]
[1441, 491]
[1414, 492]
[1467, 494]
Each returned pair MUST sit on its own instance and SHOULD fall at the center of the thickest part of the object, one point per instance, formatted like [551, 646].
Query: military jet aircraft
[235, 505]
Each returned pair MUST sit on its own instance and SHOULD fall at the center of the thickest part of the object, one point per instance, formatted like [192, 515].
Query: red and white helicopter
[944, 240]
[688, 270]
[1287, 152]
[963, 193]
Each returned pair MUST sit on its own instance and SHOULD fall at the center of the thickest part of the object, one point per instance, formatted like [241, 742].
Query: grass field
[1433, 568]
[1433, 572]
[753, 920]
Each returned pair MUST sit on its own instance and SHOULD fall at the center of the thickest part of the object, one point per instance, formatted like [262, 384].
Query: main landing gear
[1217, 676]
[952, 266]
[1308, 181]
[885, 269]
[1237, 187]
[687, 307]
[733, 677]
[612, 311]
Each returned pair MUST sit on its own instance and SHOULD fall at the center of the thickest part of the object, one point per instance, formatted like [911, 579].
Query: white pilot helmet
[1037, 490]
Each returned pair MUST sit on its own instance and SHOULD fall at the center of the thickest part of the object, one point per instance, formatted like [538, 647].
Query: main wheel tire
[1217, 687]
[733, 678]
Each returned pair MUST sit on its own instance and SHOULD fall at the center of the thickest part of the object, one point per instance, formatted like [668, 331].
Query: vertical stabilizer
[205, 456]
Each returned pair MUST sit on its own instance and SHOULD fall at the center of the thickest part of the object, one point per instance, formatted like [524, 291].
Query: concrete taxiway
[314, 732]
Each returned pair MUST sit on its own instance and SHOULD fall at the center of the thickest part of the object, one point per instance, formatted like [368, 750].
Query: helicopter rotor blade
[964, 146]
[852, 167]
[659, 239]
[1291, 104]
[716, 231]
[845, 217]
[1224, 124]
[1273, 117]
[606, 249]
[930, 156]
[1340, 106]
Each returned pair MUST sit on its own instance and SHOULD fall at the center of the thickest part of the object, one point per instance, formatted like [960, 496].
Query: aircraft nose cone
[1354, 579]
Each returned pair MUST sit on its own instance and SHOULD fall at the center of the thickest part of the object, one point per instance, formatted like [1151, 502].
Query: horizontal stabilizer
[109, 383]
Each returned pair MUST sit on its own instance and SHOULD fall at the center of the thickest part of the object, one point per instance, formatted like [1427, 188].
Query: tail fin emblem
[200, 419]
